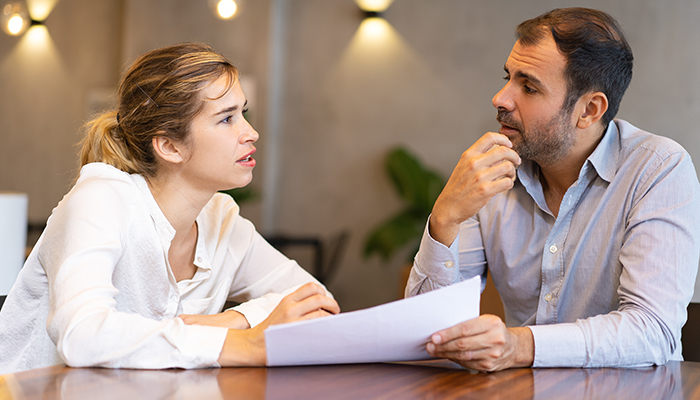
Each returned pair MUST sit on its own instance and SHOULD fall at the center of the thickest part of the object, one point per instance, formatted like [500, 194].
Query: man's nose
[503, 99]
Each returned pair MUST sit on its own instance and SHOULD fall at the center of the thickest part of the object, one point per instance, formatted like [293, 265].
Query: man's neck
[558, 177]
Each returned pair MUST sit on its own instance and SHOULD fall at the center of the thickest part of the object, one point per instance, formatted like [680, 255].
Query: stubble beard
[544, 143]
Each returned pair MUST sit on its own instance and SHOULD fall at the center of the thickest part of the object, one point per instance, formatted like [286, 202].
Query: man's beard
[544, 143]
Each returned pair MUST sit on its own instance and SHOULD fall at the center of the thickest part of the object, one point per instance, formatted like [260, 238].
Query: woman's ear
[595, 104]
[167, 150]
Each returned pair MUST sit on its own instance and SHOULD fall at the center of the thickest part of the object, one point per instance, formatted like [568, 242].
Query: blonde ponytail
[103, 142]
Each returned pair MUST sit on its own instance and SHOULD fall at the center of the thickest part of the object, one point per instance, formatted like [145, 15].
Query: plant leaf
[241, 195]
[393, 234]
[417, 185]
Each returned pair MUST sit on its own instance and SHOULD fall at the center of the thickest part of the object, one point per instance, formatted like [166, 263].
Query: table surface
[433, 380]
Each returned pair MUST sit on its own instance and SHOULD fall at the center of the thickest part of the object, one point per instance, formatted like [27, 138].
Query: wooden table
[676, 380]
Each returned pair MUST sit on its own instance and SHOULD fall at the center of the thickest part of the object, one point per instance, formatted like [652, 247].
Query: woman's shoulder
[101, 187]
[101, 173]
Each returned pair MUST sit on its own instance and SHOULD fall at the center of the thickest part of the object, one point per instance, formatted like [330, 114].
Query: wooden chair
[690, 335]
[326, 252]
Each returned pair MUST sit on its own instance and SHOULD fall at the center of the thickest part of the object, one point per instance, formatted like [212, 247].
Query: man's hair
[598, 55]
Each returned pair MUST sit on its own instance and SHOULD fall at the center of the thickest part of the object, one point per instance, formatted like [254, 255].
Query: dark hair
[598, 55]
[158, 96]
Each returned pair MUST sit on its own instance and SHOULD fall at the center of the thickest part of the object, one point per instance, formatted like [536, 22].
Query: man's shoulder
[634, 141]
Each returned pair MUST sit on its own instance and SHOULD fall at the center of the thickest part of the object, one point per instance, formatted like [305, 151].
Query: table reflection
[659, 382]
[401, 380]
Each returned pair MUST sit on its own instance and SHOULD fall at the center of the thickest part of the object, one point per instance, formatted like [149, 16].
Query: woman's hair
[158, 96]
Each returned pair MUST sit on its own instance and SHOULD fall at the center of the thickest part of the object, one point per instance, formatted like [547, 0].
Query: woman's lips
[247, 160]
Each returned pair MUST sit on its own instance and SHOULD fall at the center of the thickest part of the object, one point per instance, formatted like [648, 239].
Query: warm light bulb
[15, 24]
[374, 28]
[226, 8]
[14, 19]
[374, 5]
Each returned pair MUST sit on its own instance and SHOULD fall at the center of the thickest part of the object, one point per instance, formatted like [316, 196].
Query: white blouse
[97, 289]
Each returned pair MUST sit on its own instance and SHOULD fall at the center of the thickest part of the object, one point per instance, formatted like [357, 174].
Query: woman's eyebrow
[231, 109]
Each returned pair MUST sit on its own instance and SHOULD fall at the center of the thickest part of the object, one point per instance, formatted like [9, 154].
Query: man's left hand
[484, 344]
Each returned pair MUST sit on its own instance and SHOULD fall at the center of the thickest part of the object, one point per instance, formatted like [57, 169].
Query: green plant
[419, 187]
[242, 195]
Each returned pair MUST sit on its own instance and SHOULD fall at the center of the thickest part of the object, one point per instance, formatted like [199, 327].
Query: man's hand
[228, 319]
[484, 344]
[484, 170]
[247, 347]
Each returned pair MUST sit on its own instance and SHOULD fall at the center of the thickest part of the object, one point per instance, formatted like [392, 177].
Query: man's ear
[167, 150]
[594, 105]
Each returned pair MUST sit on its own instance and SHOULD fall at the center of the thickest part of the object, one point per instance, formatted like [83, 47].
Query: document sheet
[396, 331]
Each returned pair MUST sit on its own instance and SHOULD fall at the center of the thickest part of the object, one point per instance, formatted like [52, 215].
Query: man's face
[530, 105]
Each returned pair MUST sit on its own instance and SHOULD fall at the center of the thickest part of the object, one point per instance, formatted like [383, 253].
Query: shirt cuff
[437, 261]
[559, 345]
[255, 311]
[203, 345]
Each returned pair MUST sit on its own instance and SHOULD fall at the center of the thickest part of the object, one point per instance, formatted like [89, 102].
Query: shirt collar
[165, 229]
[605, 156]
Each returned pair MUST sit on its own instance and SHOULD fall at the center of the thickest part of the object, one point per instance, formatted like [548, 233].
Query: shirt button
[547, 297]
[553, 248]
[199, 259]
[449, 264]
[173, 298]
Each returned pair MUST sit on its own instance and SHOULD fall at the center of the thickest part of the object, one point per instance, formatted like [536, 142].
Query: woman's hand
[247, 347]
[228, 319]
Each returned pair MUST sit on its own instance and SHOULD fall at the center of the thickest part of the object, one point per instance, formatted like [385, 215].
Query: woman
[140, 256]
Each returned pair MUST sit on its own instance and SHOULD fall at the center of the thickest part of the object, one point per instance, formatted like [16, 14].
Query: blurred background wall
[345, 96]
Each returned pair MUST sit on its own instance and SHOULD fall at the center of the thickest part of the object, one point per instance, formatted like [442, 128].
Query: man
[593, 244]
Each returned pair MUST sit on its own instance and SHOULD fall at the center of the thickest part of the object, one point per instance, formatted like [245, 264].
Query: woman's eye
[227, 119]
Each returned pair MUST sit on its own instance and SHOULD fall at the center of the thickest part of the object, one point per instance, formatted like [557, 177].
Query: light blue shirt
[608, 281]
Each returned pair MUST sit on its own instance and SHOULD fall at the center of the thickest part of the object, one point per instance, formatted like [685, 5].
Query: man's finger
[468, 328]
[491, 139]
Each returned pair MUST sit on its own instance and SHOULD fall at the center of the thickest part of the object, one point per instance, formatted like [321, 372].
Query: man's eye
[528, 89]
[506, 78]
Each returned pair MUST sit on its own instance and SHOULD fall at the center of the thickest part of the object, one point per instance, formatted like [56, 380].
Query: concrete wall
[347, 99]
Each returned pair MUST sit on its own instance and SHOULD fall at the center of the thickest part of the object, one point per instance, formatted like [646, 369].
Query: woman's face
[221, 141]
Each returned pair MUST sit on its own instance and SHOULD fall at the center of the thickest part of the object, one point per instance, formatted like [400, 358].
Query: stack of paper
[396, 331]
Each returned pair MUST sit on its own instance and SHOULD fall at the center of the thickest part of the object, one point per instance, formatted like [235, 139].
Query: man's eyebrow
[231, 109]
[526, 76]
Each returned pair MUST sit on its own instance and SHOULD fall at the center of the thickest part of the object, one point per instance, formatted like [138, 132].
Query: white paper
[13, 237]
[396, 331]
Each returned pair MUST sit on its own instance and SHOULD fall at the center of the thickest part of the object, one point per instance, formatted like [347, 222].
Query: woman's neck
[179, 202]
